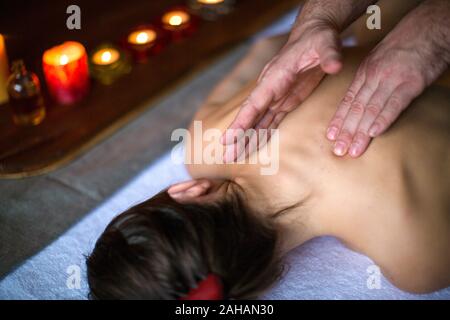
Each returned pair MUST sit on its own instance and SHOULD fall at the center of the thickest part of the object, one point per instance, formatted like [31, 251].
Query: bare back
[391, 204]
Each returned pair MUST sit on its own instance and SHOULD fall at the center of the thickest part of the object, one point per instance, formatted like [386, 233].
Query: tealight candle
[108, 63]
[178, 22]
[142, 41]
[105, 57]
[144, 37]
[4, 71]
[66, 72]
[211, 9]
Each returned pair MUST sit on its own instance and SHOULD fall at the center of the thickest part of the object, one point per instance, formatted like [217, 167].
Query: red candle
[66, 72]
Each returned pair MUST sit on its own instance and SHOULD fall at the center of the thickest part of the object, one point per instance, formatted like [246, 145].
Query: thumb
[330, 57]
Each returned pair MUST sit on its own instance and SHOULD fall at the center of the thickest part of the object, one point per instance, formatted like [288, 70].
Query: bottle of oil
[25, 96]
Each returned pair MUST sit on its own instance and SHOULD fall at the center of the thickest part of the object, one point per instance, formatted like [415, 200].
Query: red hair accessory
[209, 288]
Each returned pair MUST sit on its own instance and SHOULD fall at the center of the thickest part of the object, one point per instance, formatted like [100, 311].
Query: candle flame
[142, 37]
[63, 60]
[175, 20]
[106, 56]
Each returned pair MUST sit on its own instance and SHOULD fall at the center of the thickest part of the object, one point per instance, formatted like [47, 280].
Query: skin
[412, 56]
[399, 215]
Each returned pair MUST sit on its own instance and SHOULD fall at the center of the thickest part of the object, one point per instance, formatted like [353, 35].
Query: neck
[296, 227]
[296, 222]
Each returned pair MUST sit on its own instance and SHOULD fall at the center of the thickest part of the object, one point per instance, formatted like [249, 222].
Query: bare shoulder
[417, 257]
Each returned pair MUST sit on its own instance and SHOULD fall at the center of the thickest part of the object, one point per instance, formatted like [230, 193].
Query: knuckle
[338, 117]
[373, 109]
[337, 121]
[372, 69]
[388, 71]
[395, 105]
[361, 135]
[382, 121]
[346, 135]
[357, 108]
[349, 96]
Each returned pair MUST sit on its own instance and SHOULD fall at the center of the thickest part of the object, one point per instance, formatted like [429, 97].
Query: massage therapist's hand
[404, 63]
[313, 49]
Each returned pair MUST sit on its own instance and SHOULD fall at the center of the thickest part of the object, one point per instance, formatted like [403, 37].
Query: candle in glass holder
[4, 71]
[143, 41]
[211, 9]
[66, 72]
[107, 63]
[179, 22]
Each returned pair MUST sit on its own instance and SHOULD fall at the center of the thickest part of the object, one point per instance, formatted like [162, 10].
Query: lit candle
[144, 37]
[176, 20]
[108, 63]
[4, 71]
[142, 41]
[211, 9]
[179, 23]
[106, 57]
[66, 72]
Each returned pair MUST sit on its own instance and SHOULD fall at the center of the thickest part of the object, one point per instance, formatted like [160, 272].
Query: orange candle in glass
[179, 22]
[66, 72]
[143, 41]
[176, 20]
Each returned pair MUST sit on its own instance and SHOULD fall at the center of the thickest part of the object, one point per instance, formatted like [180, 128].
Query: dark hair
[160, 249]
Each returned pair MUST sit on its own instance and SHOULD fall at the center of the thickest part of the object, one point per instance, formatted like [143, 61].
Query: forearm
[427, 31]
[340, 14]
[435, 22]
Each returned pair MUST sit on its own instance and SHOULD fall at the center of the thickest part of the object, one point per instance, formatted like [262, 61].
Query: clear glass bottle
[25, 96]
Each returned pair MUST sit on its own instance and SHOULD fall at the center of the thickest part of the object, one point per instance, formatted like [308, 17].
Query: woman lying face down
[162, 248]
[223, 234]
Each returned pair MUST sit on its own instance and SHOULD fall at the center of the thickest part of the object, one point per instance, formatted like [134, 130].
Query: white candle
[4, 71]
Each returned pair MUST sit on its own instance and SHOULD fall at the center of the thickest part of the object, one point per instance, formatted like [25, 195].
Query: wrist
[337, 14]
[426, 31]
[438, 28]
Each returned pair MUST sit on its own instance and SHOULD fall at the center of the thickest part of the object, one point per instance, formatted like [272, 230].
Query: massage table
[323, 268]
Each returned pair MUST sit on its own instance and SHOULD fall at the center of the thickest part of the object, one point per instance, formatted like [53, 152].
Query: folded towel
[320, 269]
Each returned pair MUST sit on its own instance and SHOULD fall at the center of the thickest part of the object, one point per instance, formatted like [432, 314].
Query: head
[164, 247]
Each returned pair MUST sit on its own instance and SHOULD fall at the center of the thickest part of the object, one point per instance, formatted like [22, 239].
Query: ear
[189, 190]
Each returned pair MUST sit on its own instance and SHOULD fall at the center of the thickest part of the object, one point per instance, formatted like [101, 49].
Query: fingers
[352, 120]
[262, 136]
[397, 102]
[369, 115]
[256, 105]
[336, 123]
[281, 73]
[372, 109]
[192, 187]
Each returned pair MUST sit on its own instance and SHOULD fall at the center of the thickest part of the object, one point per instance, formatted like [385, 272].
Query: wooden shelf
[67, 132]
